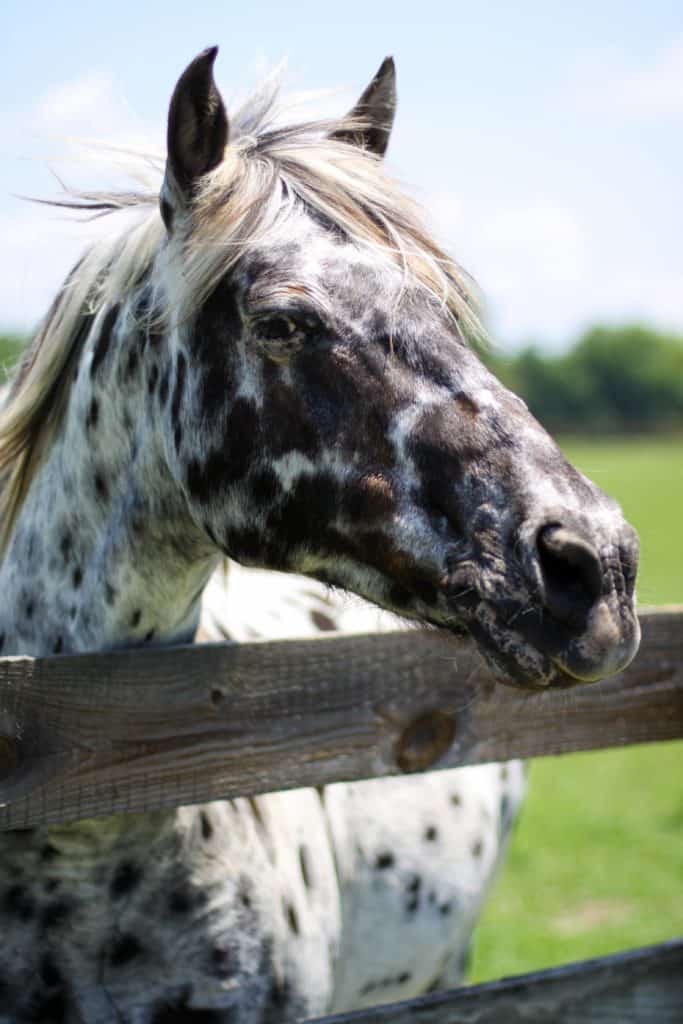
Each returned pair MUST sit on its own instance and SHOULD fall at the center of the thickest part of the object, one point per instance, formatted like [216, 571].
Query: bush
[615, 379]
[10, 347]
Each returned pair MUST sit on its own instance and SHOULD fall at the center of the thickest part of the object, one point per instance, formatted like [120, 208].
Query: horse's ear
[373, 114]
[197, 125]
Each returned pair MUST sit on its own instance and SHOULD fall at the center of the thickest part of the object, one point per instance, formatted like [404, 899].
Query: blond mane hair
[267, 172]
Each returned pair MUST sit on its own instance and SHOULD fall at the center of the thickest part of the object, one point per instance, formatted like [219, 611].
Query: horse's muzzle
[585, 590]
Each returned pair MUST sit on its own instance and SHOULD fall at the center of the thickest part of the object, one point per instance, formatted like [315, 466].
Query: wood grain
[643, 986]
[95, 734]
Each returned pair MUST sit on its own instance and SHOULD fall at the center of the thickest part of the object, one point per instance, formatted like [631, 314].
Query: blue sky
[544, 139]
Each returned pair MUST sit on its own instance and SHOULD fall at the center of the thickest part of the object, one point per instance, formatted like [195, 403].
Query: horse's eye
[277, 328]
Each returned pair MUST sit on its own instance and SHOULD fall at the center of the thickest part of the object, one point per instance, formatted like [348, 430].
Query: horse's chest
[232, 908]
[260, 911]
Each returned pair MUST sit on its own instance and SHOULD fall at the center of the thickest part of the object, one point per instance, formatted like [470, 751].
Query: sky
[544, 139]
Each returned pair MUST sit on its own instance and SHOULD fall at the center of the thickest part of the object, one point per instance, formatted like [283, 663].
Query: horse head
[327, 415]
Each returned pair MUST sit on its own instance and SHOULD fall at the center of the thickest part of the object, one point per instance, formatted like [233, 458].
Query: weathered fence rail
[139, 730]
[643, 986]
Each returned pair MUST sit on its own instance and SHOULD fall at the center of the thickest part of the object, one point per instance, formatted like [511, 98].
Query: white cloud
[446, 213]
[41, 244]
[541, 240]
[79, 99]
[89, 107]
[529, 258]
[652, 91]
[39, 247]
[545, 276]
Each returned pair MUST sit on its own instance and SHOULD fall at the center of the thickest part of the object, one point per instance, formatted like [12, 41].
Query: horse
[275, 363]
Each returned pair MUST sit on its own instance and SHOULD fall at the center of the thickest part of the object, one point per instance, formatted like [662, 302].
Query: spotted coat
[316, 410]
[271, 909]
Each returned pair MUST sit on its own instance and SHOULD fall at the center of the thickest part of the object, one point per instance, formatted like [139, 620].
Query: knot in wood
[425, 740]
[9, 756]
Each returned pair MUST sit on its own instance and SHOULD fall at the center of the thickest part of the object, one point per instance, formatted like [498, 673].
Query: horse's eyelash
[310, 320]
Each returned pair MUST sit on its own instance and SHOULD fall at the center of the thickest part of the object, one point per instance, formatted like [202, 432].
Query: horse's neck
[104, 552]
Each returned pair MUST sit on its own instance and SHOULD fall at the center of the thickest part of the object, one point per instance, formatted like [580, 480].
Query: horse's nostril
[571, 571]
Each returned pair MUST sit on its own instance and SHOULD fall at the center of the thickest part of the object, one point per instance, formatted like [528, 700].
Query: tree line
[10, 347]
[626, 379]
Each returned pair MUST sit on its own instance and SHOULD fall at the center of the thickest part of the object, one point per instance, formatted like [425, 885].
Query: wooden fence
[95, 734]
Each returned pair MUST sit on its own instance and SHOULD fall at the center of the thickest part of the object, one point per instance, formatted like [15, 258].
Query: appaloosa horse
[272, 365]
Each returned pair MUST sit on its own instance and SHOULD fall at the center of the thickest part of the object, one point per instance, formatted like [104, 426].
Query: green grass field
[596, 863]
[646, 476]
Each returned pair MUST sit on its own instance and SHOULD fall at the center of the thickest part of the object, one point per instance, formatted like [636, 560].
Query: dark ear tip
[200, 69]
[209, 54]
[204, 61]
[387, 67]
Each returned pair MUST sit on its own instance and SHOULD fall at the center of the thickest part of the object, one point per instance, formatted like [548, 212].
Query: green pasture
[646, 476]
[596, 863]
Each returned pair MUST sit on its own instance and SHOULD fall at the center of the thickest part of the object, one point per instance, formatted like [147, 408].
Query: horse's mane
[267, 171]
